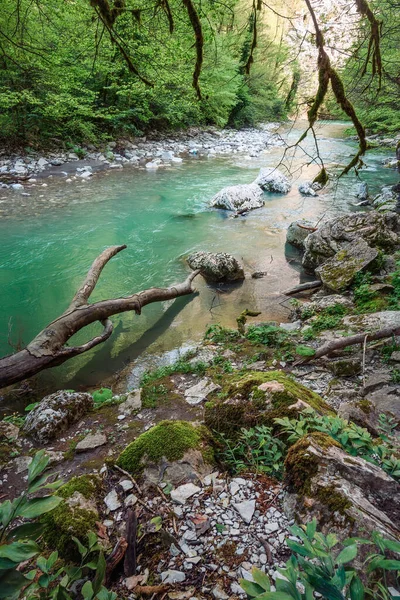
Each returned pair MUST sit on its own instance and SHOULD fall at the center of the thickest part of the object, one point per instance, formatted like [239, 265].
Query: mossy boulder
[171, 450]
[346, 494]
[75, 516]
[257, 399]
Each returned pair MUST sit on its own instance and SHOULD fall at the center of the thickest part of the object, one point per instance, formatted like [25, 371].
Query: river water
[49, 239]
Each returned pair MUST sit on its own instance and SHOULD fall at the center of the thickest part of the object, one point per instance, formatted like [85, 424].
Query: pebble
[246, 509]
[172, 576]
[112, 501]
[184, 492]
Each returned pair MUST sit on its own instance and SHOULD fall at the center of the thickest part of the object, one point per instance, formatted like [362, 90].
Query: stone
[21, 464]
[376, 380]
[152, 166]
[362, 192]
[338, 272]
[17, 186]
[215, 267]
[112, 501]
[126, 484]
[294, 326]
[182, 493]
[386, 200]
[386, 400]
[42, 162]
[219, 593]
[350, 496]
[55, 413]
[241, 198]
[246, 509]
[307, 190]
[272, 180]
[8, 431]
[395, 356]
[271, 527]
[130, 500]
[345, 367]
[132, 403]
[172, 576]
[377, 230]
[374, 321]
[91, 441]
[298, 231]
[198, 393]
[326, 302]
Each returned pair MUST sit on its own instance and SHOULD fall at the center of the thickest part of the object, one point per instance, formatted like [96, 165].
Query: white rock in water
[152, 165]
[183, 492]
[112, 501]
[172, 576]
[239, 197]
[272, 180]
[176, 159]
[42, 162]
[246, 509]
[307, 190]
[298, 231]
[17, 186]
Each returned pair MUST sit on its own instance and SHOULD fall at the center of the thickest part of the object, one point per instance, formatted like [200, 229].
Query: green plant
[256, 449]
[180, 366]
[318, 566]
[15, 419]
[221, 335]
[387, 426]
[102, 395]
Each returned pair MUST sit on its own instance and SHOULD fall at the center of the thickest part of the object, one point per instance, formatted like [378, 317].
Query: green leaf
[100, 573]
[392, 545]
[357, 591]
[11, 582]
[311, 528]
[6, 563]
[82, 550]
[6, 509]
[305, 351]
[19, 551]
[261, 579]
[27, 530]
[251, 588]
[92, 538]
[31, 406]
[347, 554]
[295, 547]
[38, 465]
[38, 506]
[87, 591]
[385, 563]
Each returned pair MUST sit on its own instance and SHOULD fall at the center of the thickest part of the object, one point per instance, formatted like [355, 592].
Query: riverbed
[50, 238]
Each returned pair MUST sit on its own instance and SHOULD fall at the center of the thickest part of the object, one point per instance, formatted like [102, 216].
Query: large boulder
[348, 495]
[257, 399]
[386, 200]
[379, 231]
[338, 272]
[272, 180]
[218, 266]
[55, 413]
[298, 231]
[172, 451]
[239, 197]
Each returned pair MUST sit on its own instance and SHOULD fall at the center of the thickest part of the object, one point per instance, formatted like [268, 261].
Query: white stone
[126, 484]
[183, 492]
[219, 593]
[239, 197]
[172, 576]
[112, 501]
[130, 500]
[91, 441]
[199, 392]
[272, 180]
[271, 527]
[132, 403]
[246, 509]
[17, 186]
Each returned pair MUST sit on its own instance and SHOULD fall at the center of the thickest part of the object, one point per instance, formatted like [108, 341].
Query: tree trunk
[49, 349]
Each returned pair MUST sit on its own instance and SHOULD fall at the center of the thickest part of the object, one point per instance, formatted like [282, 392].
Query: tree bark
[49, 348]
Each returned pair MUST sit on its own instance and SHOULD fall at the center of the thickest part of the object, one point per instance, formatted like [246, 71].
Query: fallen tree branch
[352, 340]
[49, 348]
[309, 285]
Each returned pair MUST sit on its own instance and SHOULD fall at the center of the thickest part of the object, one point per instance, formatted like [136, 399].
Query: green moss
[65, 522]
[301, 466]
[248, 406]
[335, 501]
[365, 405]
[169, 439]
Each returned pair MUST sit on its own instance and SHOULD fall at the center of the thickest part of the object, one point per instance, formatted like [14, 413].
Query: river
[49, 239]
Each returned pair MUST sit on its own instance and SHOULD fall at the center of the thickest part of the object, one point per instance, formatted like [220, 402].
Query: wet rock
[17, 186]
[241, 198]
[348, 495]
[272, 180]
[386, 200]
[307, 190]
[298, 231]
[216, 267]
[338, 272]
[246, 509]
[91, 441]
[199, 392]
[362, 192]
[55, 413]
[184, 492]
[377, 230]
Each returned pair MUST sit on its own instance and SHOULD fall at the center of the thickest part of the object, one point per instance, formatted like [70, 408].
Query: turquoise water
[48, 241]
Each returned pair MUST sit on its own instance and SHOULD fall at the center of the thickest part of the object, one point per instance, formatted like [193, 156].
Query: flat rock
[218, 266]
[132, 403]
[91, 441]
[21, 464]
[338, 272]
[377, 380]
[373, 322]
[246, 509]
[395, 356]
[112, 501]
[126, 484]
[172, 576]
[386, 400]
[184, 492]
[199, 392]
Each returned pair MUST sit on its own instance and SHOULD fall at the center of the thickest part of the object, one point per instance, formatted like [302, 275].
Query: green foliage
[329, 318]
[180, 366]
[256, 449]
[102, 395]
[221, 335]
[355, 440]
[317, 565]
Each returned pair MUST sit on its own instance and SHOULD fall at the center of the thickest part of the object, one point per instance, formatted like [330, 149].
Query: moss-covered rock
[345, 367]
[75, 516]
[169, 440]
[257, 399]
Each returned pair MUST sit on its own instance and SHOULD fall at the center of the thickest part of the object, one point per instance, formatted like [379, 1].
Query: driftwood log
[49, 348]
